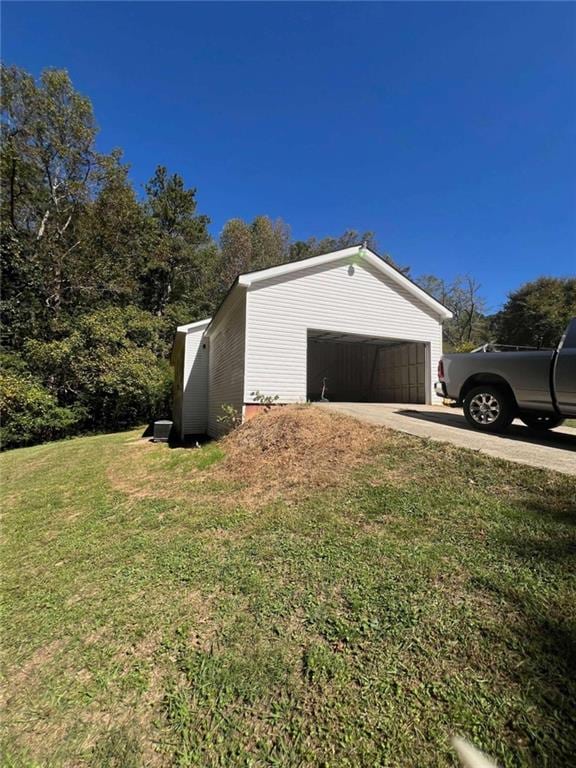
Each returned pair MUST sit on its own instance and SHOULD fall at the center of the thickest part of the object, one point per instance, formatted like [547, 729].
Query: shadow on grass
[552, 502]
[547, 630]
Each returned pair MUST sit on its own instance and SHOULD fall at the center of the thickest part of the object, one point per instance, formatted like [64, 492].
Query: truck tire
[541, 423]
[488, 408]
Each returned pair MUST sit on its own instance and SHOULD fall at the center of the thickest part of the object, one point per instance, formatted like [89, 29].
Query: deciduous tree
[537, 313]
[49, 168]
[468, 326]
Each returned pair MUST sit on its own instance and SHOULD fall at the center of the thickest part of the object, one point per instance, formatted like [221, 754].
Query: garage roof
[366, 255]
[248, 279]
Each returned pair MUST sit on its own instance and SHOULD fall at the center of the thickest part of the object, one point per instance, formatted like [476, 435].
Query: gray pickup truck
[496, 384]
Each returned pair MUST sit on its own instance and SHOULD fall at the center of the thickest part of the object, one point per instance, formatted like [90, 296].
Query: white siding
[177, 361]
[195, 389]
[226, 367]
[336, 297]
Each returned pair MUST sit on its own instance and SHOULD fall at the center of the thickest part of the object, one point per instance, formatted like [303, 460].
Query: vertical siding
[195, 389]
[226, 361]
[366, 372]
[402, 374]
[338, 297]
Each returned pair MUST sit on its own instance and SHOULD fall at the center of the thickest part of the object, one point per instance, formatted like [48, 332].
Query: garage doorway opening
[349, 368]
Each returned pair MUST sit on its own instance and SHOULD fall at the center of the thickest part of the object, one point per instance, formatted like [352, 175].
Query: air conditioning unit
[162, 431]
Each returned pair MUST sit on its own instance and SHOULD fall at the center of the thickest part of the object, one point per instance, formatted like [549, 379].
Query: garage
[344, 367]
[347, 323]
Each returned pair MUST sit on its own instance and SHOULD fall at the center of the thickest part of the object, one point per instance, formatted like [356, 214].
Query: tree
[30, 413]
[22, 308]
[537, 313]
[111, 364]
[179, 232]
[270, 242]
[49, 166]
[200, 292]
[236, 252]
[303, 249]
[116, 239]
[468, 327]
[247, 247]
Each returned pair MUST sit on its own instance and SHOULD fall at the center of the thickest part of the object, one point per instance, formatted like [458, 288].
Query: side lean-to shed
[346, 323]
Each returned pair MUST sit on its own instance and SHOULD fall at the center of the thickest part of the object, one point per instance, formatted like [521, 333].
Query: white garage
[345, 326]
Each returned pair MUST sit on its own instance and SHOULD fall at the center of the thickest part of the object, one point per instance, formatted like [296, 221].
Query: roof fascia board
[295, 266]
[194, 326]
[411, 287]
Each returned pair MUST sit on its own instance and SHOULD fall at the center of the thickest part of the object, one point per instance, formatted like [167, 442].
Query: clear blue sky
[447, 128]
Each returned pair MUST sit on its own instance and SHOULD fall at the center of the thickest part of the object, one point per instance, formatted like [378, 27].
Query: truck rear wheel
[541, 423]
[488, 408]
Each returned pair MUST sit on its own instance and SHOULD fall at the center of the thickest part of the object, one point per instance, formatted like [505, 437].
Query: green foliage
[538, 312]
[229, 416]
[465, 346]
[50, 169]
[236, 251]
[178, 233]
[303, 249]
[111, 362]
[248, 247]
[30, 413]
[266, 400]
[270, 242]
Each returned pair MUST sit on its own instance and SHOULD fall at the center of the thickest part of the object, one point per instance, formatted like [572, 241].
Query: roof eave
[193, 326]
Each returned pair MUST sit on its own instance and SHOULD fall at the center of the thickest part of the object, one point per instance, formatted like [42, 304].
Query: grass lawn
[203, 607]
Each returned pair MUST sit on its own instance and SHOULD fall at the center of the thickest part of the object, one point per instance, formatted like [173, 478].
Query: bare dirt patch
[293, 451]
[25, 672]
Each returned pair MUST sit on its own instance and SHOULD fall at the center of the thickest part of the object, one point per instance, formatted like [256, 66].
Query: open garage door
[368, 369]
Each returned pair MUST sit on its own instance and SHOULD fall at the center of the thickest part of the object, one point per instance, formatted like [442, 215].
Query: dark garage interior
[368, 369]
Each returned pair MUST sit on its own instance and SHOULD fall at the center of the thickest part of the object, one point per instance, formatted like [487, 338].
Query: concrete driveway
[552, 450]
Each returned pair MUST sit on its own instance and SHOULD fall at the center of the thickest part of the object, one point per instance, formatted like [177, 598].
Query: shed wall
[226, 362]
[338, 297]
[178, 381]
[195, 389]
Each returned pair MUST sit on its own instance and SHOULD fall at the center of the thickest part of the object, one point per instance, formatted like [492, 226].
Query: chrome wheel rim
[484, 408]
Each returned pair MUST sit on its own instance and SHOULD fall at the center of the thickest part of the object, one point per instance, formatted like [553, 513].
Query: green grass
[432, 593]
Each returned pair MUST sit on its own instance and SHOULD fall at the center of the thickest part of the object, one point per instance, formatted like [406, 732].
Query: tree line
[95, 278]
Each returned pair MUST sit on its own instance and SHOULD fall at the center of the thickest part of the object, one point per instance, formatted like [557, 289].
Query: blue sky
[447, 128]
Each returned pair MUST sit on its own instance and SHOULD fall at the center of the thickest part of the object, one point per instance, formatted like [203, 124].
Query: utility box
[162, 430]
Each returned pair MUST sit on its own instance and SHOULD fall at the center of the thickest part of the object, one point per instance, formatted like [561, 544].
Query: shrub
[30, 413]
[110, 363]
[230, 417]
[266, 400]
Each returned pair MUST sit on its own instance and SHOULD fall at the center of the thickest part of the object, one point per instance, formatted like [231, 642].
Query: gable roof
[371, 257]
[246, 279]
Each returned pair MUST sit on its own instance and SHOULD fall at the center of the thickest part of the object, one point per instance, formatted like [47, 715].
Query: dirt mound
[295, 449]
